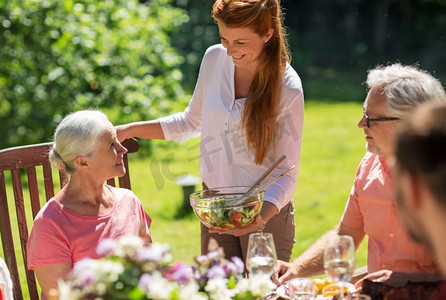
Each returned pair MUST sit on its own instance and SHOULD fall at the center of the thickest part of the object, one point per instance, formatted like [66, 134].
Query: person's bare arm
[143, 130]
[48, 276]
[397, 279]
[311, 262]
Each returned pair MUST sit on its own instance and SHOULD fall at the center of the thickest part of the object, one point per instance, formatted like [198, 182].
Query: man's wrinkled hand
[388, 277]
[283, 272]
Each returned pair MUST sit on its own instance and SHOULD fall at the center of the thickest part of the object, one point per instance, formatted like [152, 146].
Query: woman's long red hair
[260, 111]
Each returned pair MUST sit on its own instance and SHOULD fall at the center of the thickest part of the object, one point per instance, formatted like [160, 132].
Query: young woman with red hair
[248, 108]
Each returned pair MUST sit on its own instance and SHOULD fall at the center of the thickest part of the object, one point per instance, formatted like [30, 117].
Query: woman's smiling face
[243, 44]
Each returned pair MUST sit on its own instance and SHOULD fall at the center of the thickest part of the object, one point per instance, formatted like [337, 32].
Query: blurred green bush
[61, 56]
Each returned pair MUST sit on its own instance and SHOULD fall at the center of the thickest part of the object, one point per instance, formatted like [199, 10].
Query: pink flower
[180, 273]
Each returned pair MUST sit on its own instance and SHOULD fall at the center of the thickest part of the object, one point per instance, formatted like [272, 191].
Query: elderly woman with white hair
[85, 211]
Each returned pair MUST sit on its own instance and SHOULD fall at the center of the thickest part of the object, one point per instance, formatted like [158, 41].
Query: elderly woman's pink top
[61, 236]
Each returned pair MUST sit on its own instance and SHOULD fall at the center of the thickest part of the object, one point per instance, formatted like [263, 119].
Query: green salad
[215, 216]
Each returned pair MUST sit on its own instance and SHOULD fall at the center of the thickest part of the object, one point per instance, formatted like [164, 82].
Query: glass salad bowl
[225, 207]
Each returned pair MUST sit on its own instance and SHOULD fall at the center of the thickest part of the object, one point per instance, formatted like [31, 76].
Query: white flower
[243, 286]
[155, 286]
[111, 270]
[106, 246]
[156, 252]
[93, 276]
[190, 292]
[260, 285]
[67, 293]
[213, 255]
[85, 272]
[127, 245]
[218, 290]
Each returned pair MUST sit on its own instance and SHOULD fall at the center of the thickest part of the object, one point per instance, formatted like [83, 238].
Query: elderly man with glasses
[395, 90]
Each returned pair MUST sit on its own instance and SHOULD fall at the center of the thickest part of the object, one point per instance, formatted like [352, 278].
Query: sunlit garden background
[138, 60]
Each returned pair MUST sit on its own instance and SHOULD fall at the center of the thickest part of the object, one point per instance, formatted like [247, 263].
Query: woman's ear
[81, 161]
[269, 34]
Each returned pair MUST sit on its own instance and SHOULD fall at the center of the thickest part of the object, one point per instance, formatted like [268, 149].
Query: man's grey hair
[405, 86]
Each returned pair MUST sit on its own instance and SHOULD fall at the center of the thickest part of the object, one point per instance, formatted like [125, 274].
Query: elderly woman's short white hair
[77, 135]
[405, 86]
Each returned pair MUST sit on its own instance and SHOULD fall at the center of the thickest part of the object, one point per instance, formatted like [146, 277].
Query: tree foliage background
[139, 59]
[61, 56]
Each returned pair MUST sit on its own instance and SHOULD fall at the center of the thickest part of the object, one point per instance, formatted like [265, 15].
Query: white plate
[281, 291]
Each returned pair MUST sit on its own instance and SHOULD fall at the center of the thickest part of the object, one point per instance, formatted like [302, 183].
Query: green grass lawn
[331, 150]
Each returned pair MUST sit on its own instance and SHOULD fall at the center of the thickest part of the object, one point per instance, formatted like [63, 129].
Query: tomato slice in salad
[236, 219]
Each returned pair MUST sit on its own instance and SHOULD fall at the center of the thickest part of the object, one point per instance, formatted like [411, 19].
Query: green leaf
[61, 56]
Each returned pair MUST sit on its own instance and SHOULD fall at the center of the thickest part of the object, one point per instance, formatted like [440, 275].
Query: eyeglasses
[368, 119]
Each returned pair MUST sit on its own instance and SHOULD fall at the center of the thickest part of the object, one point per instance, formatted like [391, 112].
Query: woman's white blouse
[213, 112]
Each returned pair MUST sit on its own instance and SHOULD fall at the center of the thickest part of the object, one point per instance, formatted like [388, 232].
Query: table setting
[131, 269]
[339, 265]
[227, 208]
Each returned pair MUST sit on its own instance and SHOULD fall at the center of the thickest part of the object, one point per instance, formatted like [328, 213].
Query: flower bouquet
[132, 270]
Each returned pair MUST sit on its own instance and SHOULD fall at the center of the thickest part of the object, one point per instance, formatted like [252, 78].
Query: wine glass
[340, 260]
[301, 288]
[261, 256]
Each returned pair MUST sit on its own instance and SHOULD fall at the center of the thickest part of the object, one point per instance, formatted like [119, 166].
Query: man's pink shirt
[61, 236]
[371, 208]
